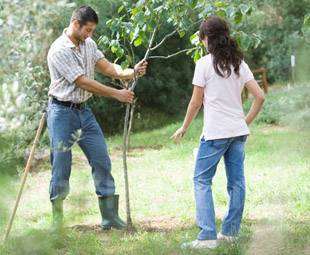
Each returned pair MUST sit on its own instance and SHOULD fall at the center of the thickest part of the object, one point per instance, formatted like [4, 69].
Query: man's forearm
[122, 74]
[95, 87]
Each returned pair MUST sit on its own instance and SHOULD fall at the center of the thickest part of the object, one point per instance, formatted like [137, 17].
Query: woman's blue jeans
[208, 157]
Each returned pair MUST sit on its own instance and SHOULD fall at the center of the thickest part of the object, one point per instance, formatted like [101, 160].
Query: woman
[218, 81]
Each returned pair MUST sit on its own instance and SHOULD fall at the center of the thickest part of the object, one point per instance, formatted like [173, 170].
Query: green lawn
[276, 219]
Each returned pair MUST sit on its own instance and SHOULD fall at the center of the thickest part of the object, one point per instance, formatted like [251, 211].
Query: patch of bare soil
[160, 224]
[140, 148]
[134, 151]
[273, 128]
[154, 224]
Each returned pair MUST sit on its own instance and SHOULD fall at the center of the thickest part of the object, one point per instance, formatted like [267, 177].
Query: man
[72, 59]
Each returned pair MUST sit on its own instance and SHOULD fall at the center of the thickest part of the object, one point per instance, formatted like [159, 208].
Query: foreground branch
[125, 140]
[174, 54]
[163, 40]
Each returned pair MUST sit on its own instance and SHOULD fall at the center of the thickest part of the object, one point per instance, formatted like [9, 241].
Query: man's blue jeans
[208, 157]
[63, 125]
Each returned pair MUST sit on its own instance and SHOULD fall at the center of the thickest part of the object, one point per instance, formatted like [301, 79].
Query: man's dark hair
[84, 14]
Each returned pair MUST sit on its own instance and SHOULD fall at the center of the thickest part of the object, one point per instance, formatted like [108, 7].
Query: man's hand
[125, 96]
[178, 134]
[140, 68]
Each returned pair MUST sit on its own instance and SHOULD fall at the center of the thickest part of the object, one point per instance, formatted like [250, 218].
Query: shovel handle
[28, 166]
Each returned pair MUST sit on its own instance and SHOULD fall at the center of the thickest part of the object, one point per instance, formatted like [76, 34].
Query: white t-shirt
[223, 112]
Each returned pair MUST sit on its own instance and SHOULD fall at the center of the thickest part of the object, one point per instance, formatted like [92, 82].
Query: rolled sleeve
[67, 65]
[98, 55]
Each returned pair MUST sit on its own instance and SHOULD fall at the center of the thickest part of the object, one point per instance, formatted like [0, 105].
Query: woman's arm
[192, 110]
[259, 98]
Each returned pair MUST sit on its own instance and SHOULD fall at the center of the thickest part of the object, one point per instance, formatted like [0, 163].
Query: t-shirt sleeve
[247, 74]
[67, 65]
[199, 78]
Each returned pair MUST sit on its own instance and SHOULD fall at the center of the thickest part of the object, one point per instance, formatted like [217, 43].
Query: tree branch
[117, 84]
[146, 55]
[163, 40]
[174, 54]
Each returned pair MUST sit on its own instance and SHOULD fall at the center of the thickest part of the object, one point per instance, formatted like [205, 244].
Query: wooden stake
[28, 166]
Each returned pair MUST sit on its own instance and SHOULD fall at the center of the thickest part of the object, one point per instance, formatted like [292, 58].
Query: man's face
[85, 31]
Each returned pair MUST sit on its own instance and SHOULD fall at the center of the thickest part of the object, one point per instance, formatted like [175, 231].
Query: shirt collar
[68, 41]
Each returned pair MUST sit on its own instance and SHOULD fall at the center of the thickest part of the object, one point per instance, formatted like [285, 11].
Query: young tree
[140, 26]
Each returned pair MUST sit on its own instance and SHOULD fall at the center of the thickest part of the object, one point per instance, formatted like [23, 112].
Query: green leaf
[181, 34]
[135, 11]
[194, 39]
[193, 3]
[221, 13]
[230, 11]
[220, 4]
[109, 22]
[131, 36]
[134, 35]
[238, 17]
[113, 49]
[244, 40]
[244, 8]
[197, 55]
[147, 12]
[119, 52]
[120, 9]
[104, 40]
[125, 64]
[137, 42]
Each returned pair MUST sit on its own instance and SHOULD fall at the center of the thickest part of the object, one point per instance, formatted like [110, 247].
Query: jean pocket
[60, 108]
[241, 138]
[219, 143]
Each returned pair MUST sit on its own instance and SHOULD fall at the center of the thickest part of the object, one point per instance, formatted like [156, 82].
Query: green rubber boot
[109, 213]
[57, 208]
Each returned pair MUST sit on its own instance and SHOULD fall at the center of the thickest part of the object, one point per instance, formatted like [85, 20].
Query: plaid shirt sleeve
[97, 54]
[67, 65]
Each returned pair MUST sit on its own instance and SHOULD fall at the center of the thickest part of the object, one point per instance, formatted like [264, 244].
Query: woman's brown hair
[225, 50]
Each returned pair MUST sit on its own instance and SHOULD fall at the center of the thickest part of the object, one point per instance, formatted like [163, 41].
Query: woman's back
[223, 113]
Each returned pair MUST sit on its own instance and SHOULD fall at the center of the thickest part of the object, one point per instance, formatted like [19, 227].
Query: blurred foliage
[282, 27]
[26, 29]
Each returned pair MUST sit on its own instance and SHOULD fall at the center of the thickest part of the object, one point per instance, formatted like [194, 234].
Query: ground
[276, 218]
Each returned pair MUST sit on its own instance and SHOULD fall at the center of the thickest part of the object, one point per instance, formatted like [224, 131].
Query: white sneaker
[222, 237]
[200, 244]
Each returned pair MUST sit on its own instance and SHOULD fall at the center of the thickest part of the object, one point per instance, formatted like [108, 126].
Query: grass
[276, 218]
